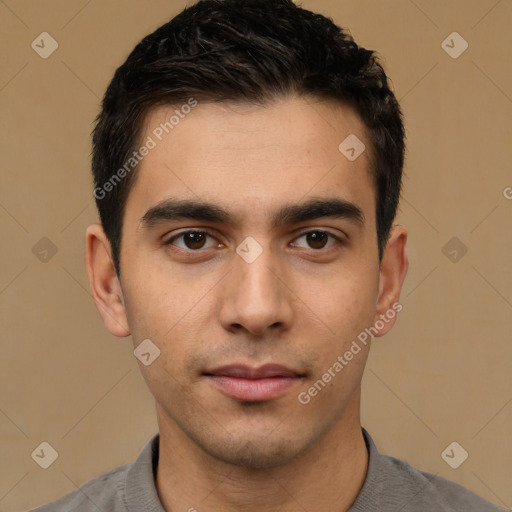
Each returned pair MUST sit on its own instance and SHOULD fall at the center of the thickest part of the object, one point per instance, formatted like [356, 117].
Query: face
[249, 259]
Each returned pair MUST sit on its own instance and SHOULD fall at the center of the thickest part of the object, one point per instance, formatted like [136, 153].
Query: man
[247, 163]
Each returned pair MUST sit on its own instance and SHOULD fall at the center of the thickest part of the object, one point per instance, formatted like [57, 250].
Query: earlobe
[393, 270]
[105, 285]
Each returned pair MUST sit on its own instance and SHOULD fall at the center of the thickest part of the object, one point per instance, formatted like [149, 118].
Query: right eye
[193, 240]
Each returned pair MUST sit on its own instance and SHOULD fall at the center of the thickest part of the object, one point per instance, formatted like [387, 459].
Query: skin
[301, 303]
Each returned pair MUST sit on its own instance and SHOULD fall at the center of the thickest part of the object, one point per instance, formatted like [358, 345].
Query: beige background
[442, 375]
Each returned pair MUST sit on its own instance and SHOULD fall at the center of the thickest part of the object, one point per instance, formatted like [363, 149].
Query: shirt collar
[140, 484]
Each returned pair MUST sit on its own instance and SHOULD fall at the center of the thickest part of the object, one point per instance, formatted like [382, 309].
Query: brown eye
[318, 239]
[192, 240]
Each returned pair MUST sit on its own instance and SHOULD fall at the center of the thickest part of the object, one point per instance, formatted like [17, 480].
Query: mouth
[249, 384]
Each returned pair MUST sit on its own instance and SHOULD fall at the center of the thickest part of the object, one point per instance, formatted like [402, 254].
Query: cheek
[157, 312]
[172, 311]
[156, 296]
[348, 303]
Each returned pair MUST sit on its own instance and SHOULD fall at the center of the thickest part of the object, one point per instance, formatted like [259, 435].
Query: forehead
[245, 156]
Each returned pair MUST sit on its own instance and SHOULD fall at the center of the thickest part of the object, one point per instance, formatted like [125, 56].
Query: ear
[105, 285]
[393, 270]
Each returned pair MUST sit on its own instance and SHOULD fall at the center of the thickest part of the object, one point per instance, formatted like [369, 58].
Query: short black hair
[254, 51]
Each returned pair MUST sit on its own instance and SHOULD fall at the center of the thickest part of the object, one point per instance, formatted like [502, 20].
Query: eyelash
[183, 233]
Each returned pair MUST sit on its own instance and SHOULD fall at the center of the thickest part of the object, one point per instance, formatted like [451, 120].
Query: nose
[256, 296]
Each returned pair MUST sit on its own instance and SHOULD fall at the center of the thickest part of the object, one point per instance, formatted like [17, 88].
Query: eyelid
[186, 232]
[339, 239]
[313, 229]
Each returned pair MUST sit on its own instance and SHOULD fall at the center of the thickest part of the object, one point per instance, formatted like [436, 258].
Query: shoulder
[392, 484]
[104, 492]
[433, 492]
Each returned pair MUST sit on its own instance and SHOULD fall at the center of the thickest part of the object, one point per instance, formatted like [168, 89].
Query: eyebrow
[179, 209]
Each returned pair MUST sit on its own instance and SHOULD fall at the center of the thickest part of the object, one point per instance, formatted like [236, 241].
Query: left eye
[318, 239]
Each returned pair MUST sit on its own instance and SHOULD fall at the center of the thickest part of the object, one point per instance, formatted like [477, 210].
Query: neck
[327, 478]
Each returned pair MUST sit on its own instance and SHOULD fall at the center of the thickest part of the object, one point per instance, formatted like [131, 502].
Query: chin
[256, 446]
[252, 437]
[255, 454]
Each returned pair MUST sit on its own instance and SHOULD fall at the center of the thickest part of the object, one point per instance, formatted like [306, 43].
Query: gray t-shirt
[391, 485]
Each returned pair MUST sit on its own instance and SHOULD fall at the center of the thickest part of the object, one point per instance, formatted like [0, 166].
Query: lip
[253, 384]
